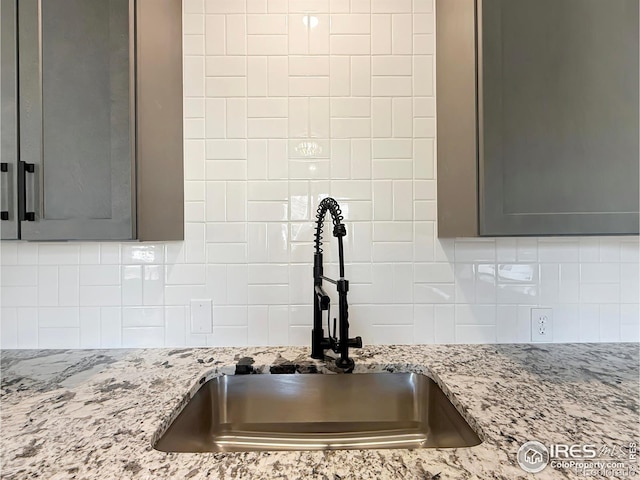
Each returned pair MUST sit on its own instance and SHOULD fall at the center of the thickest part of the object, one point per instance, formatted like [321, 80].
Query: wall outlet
[201, 316]
[541, 325]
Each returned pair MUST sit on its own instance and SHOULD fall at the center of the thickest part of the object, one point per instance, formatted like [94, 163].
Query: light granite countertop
[93, 414]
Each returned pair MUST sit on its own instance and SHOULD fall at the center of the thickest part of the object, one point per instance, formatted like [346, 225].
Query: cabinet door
[558, 117]
[8, 121]
[76, 118]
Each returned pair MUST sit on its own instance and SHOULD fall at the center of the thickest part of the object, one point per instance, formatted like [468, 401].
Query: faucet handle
[355, 342]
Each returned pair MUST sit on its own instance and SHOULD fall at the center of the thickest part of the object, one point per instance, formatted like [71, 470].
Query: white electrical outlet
[541, 325]
[201, 316]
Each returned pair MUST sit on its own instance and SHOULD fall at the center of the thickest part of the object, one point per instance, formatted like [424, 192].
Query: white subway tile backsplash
[287, 102]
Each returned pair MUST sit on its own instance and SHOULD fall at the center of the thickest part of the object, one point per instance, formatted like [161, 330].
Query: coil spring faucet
[321, 301]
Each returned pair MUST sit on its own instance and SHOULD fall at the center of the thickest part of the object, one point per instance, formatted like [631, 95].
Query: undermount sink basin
[241, 413]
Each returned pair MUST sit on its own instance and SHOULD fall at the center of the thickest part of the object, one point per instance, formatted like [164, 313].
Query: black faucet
[321, 301]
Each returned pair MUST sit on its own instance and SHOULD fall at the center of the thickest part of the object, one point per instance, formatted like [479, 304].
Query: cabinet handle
[23, 169]
[4, 168]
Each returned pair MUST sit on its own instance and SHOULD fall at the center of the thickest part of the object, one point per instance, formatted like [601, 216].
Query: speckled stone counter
[88, 414]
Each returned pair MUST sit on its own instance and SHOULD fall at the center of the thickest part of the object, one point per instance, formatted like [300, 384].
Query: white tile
[193, 83]
[629, 283]
[566, 324]
[236, 118]
[309, 86]
[228, 336]
[423, 6]
[277, 159]
[339, 6]
[383, 200]
[392, 148]
[350, 45]
[391, 86]
[153, 285]
[423, 23]
[277, 76]
[391, 6]
[8, 253]
[444, 325]
[319, 35]
[475, 334]
[277, 6]
[350, 127]
[257, 159]
[267, 24]
[226, 170]
[360, 6]
[350, 24]
[226, 86]
[226, 149]
[193, 6]
[226, 232]
[517, 294]
[133, 254]
[58, 317]
[599, 293]
[95, 296]
[433, 293]
[392, 334]
[423, 324]
[185, 274]
[401, 34]
[298, 34]
[226, 252]
[392, 231]
[28, 334]
[475, 314]
[424, 106]
[256, 6]
[267, 45]
[100, 275]
[19, 276]
[402, 200]
[267, 128]
[475, 250]
[589, 323]
[423, 75]
[340, 76]
[226, 6]
[278, 325]
[90, 327]
[8, 328]
[600, 273]
[141, 337]
[236, 202]
[193, 24]
[68, 286]
[257, 76]
[507, 324]
[423, 44]
[267, 108]
[132, 285]
[258, 325]
[175, 326]
[111, 327]
[27, 253]
[230, 316]
[609, 323]
[361, 159]
[381, 117]
[309, 6]
[434, 273]
[59, 338]
[558, 251]
[58, 254]
[47, 285]
[381, 34]
[143, 317]
[193, 45]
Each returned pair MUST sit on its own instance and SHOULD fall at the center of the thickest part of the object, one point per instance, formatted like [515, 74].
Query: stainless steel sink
[317, 412]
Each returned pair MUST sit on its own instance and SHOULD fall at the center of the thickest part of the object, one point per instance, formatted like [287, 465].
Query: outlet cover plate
[201, 316]
[541, 325]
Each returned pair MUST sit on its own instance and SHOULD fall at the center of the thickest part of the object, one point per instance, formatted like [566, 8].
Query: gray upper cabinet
[76, 108]
[79, 165]
[8, 121]
[541, 118]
